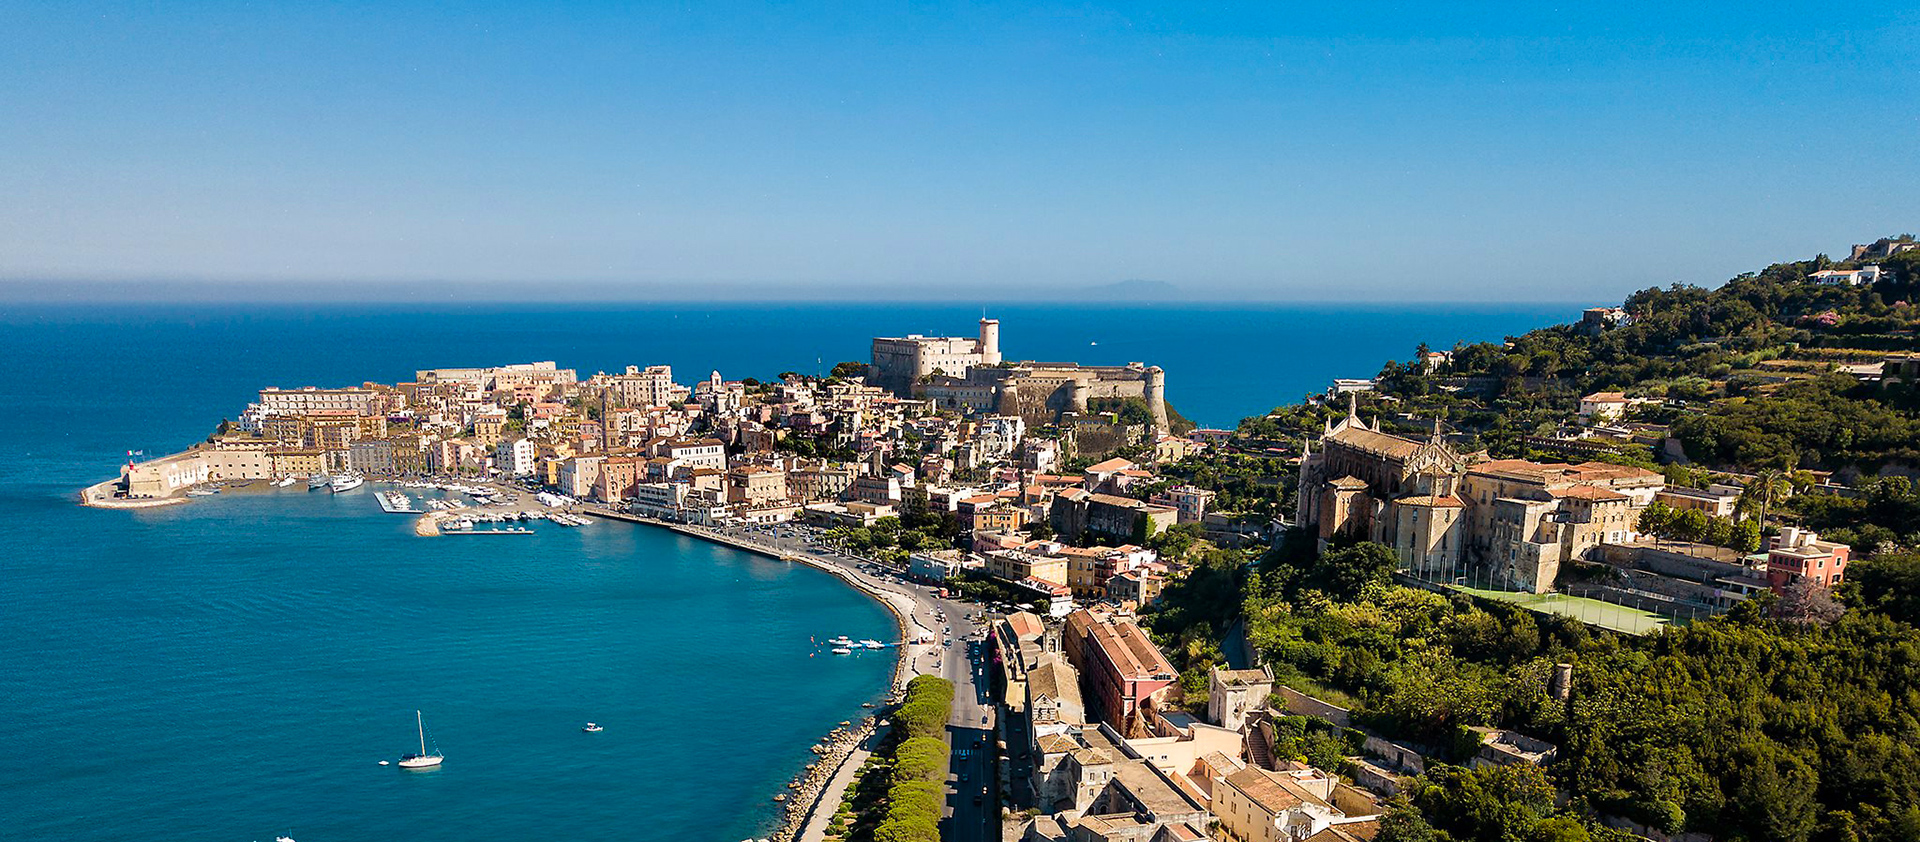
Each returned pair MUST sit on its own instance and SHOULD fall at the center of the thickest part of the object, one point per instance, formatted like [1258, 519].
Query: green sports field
[1606, 615]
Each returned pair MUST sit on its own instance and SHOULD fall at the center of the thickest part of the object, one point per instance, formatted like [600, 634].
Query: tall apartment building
[310, 401]
[1122, 668]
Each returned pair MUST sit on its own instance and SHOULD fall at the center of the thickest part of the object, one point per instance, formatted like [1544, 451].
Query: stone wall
[1301, 704]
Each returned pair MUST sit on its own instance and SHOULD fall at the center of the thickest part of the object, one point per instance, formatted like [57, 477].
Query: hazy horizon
[941, 152]
[96, 291]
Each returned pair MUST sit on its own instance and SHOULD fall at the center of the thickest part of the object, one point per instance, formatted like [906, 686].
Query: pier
[395, 503]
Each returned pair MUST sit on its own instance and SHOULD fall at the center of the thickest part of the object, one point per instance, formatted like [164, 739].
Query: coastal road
[972, 813]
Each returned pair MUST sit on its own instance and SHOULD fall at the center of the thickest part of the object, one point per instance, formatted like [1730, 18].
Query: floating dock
[395, 503]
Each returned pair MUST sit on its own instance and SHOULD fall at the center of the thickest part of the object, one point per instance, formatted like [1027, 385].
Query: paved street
[972, 802]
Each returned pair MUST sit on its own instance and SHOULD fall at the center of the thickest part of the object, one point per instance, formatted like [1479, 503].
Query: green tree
[849, 369]
[1344, 572]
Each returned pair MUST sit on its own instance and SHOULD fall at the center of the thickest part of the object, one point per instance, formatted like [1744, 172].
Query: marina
[395, 503]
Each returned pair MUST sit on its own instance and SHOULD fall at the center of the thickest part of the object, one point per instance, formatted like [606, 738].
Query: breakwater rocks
[804, 796]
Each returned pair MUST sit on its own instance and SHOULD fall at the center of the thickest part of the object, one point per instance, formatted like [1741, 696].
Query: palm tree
[1767, 487]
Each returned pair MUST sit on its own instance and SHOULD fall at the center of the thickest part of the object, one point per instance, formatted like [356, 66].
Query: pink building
[1797, 552]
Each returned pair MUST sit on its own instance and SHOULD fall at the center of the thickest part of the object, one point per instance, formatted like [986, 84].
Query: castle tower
[1077, 396]
[1006, 399]
[1157, 397]
[989, 341]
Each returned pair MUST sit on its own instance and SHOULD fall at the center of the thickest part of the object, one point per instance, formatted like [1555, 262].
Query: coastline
[809, 801]
[824, 781]
[98, 496]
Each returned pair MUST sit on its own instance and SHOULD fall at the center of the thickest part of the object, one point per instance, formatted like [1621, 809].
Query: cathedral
[1448, 515]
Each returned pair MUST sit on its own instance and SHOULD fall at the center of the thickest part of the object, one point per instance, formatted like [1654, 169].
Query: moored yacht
[345, 483]
[423, 760]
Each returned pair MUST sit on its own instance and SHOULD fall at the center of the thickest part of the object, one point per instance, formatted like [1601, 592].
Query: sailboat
[423, 760]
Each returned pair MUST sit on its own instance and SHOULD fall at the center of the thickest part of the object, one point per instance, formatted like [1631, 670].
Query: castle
[969, 375]
[1446, 514]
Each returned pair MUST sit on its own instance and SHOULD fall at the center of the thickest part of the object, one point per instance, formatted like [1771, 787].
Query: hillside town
[1325, 625]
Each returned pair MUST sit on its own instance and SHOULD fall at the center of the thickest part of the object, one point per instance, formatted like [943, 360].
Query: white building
[1602, 407]
[1863, 276]
[311, 400]
[1000, 436]
[579, 474]
[696, 453]
[899, 362]
[1191, 502]
[664, 500]
[515, 456]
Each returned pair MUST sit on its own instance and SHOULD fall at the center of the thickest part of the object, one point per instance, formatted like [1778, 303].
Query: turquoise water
[236, 667]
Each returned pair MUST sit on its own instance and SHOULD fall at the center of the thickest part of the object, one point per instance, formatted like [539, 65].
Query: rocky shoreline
[811, 790]
[810, 797]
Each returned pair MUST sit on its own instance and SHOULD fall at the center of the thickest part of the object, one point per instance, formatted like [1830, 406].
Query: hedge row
[919, 764]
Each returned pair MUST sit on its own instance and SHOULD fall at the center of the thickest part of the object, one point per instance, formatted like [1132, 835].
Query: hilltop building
[1448, 514]
[1882, 248]
[969, 374]
[900, 362]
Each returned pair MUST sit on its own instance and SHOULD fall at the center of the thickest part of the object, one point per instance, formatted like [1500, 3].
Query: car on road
[979, 797]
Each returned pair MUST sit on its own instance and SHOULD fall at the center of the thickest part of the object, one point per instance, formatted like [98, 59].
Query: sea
[236, 668]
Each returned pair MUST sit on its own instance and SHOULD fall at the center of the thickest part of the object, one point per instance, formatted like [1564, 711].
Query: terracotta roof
[1349, 482]
[1272, 792]
[1025, 624]
[1110, 466]
[1448, 502]
[1129, 650]
[1605, 397]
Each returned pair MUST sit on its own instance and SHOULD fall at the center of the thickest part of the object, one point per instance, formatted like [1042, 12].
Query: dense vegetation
[1791, 718]
[891, 539]
[899, 795]
[1691, 728]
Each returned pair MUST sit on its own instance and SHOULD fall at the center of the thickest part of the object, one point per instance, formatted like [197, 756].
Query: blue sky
[1382, 152]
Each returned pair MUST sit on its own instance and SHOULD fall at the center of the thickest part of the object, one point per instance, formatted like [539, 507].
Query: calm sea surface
[235, 668]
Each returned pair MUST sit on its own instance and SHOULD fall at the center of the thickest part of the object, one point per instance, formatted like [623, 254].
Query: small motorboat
[592, 727]
[842, 650]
